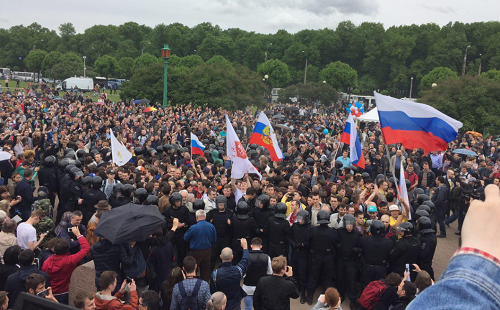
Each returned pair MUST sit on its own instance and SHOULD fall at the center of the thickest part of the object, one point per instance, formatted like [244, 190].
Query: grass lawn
[22, 84]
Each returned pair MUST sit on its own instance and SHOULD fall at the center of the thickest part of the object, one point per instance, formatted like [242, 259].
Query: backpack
[372, 293]
[189, 301]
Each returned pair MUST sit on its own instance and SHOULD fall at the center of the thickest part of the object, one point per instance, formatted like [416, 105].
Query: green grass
[22, 84]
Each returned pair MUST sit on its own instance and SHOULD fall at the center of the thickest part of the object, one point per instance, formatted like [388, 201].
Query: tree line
[382, 59]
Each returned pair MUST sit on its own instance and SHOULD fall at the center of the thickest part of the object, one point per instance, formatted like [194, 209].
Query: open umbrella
[465, 152]
[149, 109]
[282, 126]
[279, 116]
[280, 106]
[130, 222]
[475, 134]
[292, 109]
[143, 101]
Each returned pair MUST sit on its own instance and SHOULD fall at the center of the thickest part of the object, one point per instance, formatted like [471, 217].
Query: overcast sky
[263, 16]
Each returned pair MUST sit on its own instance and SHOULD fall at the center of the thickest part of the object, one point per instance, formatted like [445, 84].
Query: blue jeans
[467, 275]
[248, 302]
[440, 212]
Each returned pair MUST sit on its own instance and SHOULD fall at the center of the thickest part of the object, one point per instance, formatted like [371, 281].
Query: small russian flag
[197, 147]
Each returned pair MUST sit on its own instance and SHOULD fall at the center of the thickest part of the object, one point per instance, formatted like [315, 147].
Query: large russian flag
[263, 134]
[415, 125]
[197, 147]
[350, 137]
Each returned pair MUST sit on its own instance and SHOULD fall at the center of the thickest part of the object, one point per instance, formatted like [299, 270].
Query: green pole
[165, 83]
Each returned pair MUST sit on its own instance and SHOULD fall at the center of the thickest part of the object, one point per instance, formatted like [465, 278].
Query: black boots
[303, 296]
[309, 299]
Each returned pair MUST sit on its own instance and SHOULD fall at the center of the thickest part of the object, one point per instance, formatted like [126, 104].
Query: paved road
[445, 249]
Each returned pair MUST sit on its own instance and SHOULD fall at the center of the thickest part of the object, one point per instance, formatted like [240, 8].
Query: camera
[70, 229]
[129, 280]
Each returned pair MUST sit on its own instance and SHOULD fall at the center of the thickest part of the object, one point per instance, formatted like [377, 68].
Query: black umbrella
[281, 106]
[130, 222]
[279, 116]
[292, 109]
[282, 126]
[143, 101]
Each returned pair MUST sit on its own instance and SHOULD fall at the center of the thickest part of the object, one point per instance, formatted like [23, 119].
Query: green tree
[492, 74]
[49, 61]
[219, 60]
[34, 60]
[69, 64]
[125, 67]
[106, 66]
[340, 75]
[216, 45]
[144, 60]
[437, 75]
[277, 71]
[473, 100]
[310, 92]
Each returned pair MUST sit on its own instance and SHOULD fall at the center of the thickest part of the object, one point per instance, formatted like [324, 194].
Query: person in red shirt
[60, 266]
[411, 176]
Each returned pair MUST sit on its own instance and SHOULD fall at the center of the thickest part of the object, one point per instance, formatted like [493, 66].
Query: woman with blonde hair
[217, 301]
[329, 301]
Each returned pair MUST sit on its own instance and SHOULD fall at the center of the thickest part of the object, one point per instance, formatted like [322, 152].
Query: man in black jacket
[406, 251]
[23, 189]
[260, 266]
[406, 293]
[274, 292]
[440, 200]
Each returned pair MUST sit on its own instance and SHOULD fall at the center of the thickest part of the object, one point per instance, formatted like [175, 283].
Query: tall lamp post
[411, 86]
[265, 60]
[84, 57]
[479, 70]
[305, 69]
[465, 60]
[165, 54]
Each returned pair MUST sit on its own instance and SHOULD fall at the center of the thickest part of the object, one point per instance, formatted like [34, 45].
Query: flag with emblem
[236, 152]
[263, 135]
[119, 152]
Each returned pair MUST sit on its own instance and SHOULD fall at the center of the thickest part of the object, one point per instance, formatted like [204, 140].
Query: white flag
[403, 191]
[120, 154]
[236, 152]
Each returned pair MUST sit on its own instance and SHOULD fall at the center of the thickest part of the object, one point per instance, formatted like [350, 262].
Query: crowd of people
[314, 222]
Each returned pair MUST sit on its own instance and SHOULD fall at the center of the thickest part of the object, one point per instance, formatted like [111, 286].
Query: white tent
[370, 116]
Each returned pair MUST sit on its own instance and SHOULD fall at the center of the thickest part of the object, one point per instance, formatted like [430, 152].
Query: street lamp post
[411, 86]
[84, 57]
[465, 60]
[165, 54]
[479, 70]
[305, 69]
[265, 60]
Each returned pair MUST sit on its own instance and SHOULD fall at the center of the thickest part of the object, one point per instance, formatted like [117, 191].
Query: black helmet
[394, 181]
[80, 154]
[63, 163]
[303, 215]
[338, 164]
[280, 210]
[377, 228]
[420, 213]
[159, 149]
[77, 163]
[50, 161]
[349, 219]
[406, 227]
[198, 204]
[175, 197]
[221, 199]
[429, 203]
[74, 172]
[86, 180]
[323, 217]
[70, 155]
[118, 187]
[96, 182]
[419, 191]
[68, 150]
[42, 194]
[264, 199]
[167, 147]
[425, 208]
[69, 167]
[151, 151]
[127, 190]
[152, 200]
[310, 161]
[424, 224]
[141, 194]
[138, 151]
[422, 198]
[242, 210]
[365, 175]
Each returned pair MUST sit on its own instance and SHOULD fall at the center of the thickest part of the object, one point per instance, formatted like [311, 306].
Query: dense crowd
[312, 223]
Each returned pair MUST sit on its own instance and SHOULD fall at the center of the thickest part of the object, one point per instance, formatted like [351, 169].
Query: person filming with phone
[35, 285]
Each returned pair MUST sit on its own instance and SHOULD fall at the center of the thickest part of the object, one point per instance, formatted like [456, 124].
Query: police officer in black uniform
[347, 259]
[406, 250]
[115, 194]
[91, 197]
[323, 241]
[64, 181]
[126, 191]
[198, 204]
[375, 253]
[300, 252]
[428, 247]
[74, 190]
[277, 230]
[140, 196]
[221, 219]
[243, 227]
[261, 214]
[179, 211]
[48, 177]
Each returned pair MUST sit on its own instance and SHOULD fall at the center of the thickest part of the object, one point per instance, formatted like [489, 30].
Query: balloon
[362, 110]
[355, 108]
[325, 131]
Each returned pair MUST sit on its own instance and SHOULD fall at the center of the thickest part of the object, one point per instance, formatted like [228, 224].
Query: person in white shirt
[26, 233]
[337, 219]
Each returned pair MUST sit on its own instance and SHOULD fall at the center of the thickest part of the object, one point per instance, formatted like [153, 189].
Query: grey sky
[264, 16]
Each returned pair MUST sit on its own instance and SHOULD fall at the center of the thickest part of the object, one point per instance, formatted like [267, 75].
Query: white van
[84, 84]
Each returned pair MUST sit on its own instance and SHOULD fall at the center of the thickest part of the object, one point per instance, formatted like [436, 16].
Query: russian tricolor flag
[350, 137]
[197, 147]
[415, 125]
[263, 135]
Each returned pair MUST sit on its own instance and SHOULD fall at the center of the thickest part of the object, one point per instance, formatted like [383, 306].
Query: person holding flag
[350, 137]
[263, 135]
[197, 148]
[236, 152]
[119, 152]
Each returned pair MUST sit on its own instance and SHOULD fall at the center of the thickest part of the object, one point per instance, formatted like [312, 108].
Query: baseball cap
[372, 209]
[393, 208]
